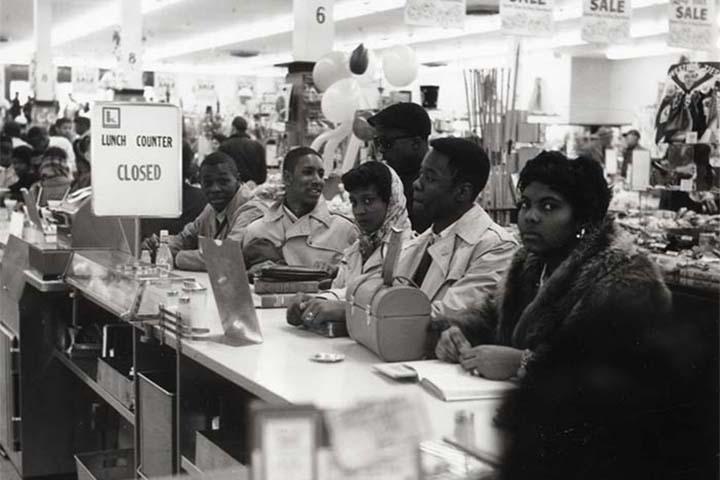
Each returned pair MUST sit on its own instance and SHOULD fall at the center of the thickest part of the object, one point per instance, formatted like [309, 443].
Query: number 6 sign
[314, 30]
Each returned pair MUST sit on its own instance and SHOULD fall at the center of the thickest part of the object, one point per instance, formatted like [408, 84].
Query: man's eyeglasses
[384, 144]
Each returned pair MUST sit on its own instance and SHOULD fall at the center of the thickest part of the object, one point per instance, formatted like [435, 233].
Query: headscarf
[395, 216]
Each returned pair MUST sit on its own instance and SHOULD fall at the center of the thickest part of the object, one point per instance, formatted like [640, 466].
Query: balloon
[338, 135]
[341, 100]
[400, 65]
[359, 60]
[329, 69]
[351, 153]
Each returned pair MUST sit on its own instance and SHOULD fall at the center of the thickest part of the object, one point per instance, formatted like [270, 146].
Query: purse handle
[391, 258]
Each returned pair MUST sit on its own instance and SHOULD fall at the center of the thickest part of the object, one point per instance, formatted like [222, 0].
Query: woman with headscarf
[378, 205]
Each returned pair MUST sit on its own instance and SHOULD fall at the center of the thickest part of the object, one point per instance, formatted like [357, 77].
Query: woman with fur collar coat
[575, 270]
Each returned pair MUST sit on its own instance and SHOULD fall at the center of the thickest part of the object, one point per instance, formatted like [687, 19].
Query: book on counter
[273, 300]
[447, 381]
[275, 286]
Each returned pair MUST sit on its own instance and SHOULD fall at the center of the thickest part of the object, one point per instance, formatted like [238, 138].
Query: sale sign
[692, 24]
[527, 17]
[606, 21]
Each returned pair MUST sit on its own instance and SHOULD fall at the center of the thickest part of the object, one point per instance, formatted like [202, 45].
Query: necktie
[424, 265]
[219, 228]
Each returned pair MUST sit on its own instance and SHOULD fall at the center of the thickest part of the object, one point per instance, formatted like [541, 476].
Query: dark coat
[604, 279]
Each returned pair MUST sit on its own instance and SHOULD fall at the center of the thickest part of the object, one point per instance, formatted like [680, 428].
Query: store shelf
[86, 370]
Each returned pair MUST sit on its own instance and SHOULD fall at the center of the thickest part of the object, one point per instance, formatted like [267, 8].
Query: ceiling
[206, 35]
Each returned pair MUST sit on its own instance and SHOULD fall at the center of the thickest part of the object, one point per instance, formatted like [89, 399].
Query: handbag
[389, 318]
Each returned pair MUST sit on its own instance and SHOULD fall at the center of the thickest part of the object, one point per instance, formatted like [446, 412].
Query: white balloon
[341, 100]
[329, 69]
[400, 65]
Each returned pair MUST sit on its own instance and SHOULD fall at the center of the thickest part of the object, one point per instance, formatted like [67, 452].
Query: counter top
[279, 370]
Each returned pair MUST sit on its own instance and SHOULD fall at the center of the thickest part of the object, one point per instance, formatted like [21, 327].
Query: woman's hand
[451, 344]
[494, 362]
[319, 312]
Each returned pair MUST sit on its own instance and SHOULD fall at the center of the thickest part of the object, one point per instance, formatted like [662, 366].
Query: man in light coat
[299, 230]
[462, 257]
[230, 209]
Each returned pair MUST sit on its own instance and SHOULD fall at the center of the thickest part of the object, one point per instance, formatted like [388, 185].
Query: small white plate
[328, 357]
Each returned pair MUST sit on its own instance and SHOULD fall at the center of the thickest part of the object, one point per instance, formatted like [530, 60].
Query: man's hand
[494, 362]
[319, 312]
[297, 306]
[327, 267]
[257, 269]
[451, 344]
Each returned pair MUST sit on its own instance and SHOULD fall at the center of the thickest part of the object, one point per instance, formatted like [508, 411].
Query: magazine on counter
[447, 381]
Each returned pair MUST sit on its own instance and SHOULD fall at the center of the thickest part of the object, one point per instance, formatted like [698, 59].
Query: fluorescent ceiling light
[644, 50]
[243, 32]
[80, 26]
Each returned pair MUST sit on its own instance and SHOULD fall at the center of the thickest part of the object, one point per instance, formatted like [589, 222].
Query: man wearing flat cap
[460, 259]
[401, 136]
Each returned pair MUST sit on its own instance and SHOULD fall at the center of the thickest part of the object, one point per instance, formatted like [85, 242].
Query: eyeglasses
[384, 144]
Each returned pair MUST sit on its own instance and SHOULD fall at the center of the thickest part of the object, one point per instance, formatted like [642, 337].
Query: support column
[42, 71]
[130, 50]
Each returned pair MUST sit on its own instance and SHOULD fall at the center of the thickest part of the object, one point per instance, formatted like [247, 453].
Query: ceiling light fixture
[259, 29]
[94, 20]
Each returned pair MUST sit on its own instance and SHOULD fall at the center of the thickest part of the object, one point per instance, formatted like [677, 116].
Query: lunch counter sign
[136, 156]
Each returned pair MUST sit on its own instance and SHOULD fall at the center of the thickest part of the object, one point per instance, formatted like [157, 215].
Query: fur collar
[528, 315]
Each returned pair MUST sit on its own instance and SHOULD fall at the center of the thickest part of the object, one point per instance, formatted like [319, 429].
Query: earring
[580, 234]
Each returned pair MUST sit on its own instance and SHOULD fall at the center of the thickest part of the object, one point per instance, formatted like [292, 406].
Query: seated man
[461, 258]
[230, 209]
[299, 230]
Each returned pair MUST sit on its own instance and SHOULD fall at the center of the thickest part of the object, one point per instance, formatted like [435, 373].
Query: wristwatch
[526, 356]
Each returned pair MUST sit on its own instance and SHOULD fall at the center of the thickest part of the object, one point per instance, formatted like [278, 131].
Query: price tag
[314, 30]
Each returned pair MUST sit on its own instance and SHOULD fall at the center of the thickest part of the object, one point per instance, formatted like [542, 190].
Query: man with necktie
[462, 256]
